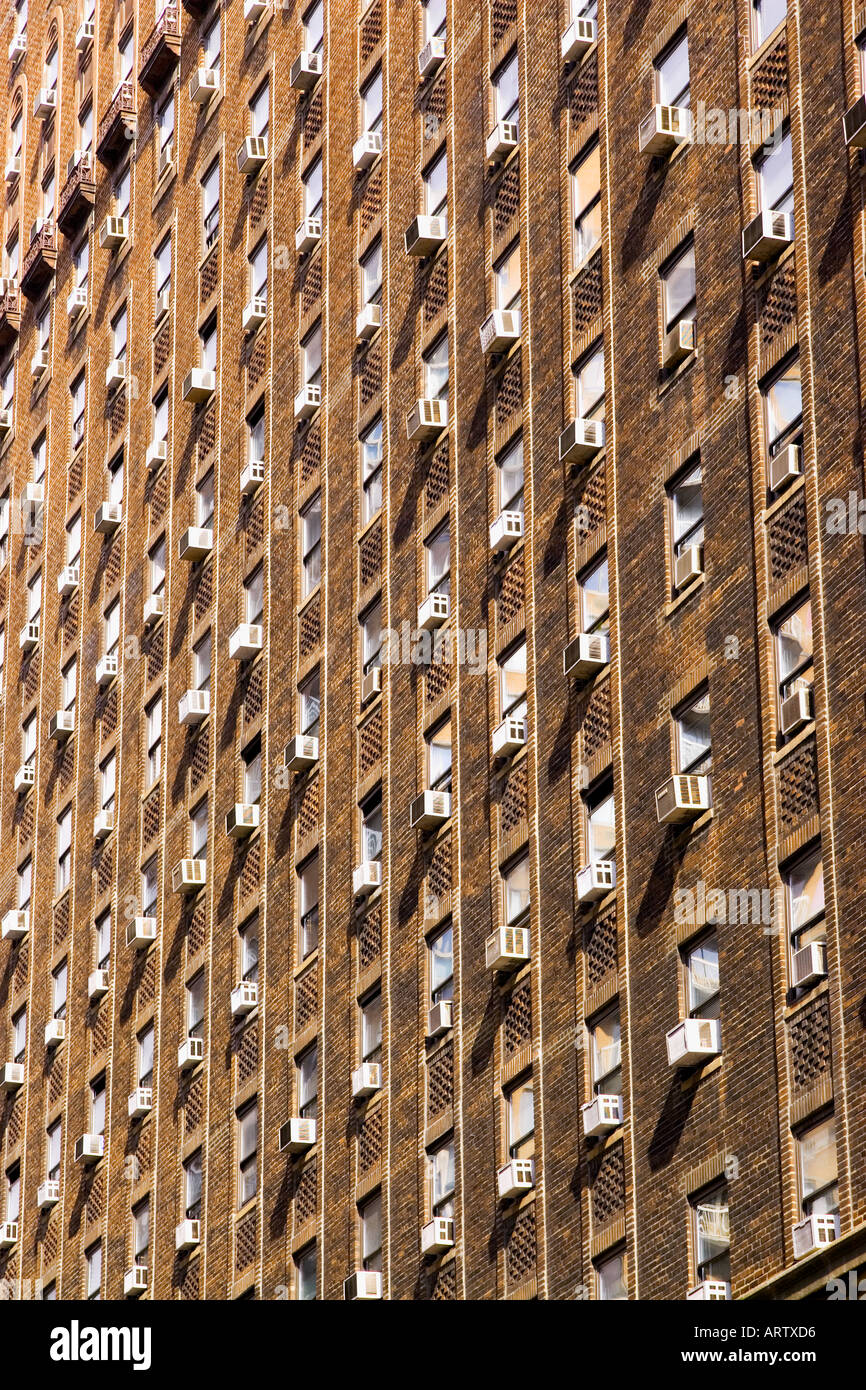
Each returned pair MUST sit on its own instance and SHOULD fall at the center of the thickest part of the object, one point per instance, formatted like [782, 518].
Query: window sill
[683, 597]
[689, 1083]
[804, 1000]
[782, 754]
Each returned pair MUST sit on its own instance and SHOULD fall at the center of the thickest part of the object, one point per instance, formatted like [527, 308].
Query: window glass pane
[441, 952]
[517, 890]
[436, 370]
[776, 177]
[817, 1148]
[313, 189]
[436, 186]
[679, 286]
[507, 91]
[687, 508]
[784, 403]
[805, 887]
[512, 682]
[673, 74]
[511, 478]
[612, 1287]
[594, 597]
[693, 730]
[371, 1029]
[589, 380]
[702, 976]
[601, 830]
[313, 28]
[768, 16]
[438, 549]
[794, 646]
[606, 1055]
[508, 281]
[712, 1235]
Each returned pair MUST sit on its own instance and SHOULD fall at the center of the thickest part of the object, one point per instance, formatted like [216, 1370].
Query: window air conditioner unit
[710, 1291]
[809, 964]
[45, 104]
[577, 40]
[140, 932]
[306, 71]
[664, 129]
[297, 1135]
[371, 684]
[48, 1194]
[431, 57]
[688, 566]
[11, 1076]
[366, 878]
[68, 580]
[796, 711]
[814, 1233]
[434, 611]
[140, 1102]
[115, 375]
[113, 233]
[166, 160]
[499, 330]
[596, 880]
[106, 669]
[366, 1080]
[188, 875]
[193, 706]
[307, 401]
[682, 797]
[76, 302]
[15, 924]
[162, 307]
[854, 123]
[135, 1281]
[108, 517]
[84, 36]
[89, 1148]
[507, 948]
[368, 322]
[515, 1178]
[363, 1284]
[509, 737]
[103, 824]
[506, 531]
[429, 809]
[437, 1236]
[154, 609]
[255, 313]
[244, 998]
[8, 1234]
[33, 495]
[366, 150]
[767, 235]
[502, 139]
[39, 363]
[784, 466]
[245, 642]
[242, 820]
[587, 654]
[204, 84]
[187, 1235]
[427, 419]
[25, 778]
[190, 1053]
[97, 985]
[424, 235]
[12, 170]
[601, 1114]
[198, 385]
[679, 343]
[302, 752]
[694, 1040]
[252, 476]
[196, 543]
[18, 47]
[5, 421]
[254, 9]
[440, 1018]
[252, 154]
[308, 235]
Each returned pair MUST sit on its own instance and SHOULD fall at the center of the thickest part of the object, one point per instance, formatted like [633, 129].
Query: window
[102, 940]
[371, 471]
[515, 886]
[252, 764]
[701, 962]
[195, 1002]
[434, 18]
[68, 682]
[141, 1232]
[43, 328]
[77, 395]
[122, 193]
[210, 44]
[371, 638]
[210, 204]
[201, 663]
[509, 467]
[64, 849]
[249, 943]
[125, 55]
[192, 1186]
[610, 1278]
[28, 741]
[311, 545]
[81, 264]
[371, 275]
[260, 111]
[7, 384]
[312, 182]
[692, 724]
[371, 104]
[436, 186]
[308, 1083]
[606, 1055]
[371, 827]
[204, 501]
[783, 408]
[118, 335]
[589, 385]
[311, 353]
[507, 280]
[53, 1148]
[308, 905]
[247, 1143]
[258, 263]
[97, 1105]
[712, 1236]
[11, 256]
[794, 651]
[85, 128]
[440, 965]
[600, 826]
[115, 481]
[594, 591]
[440, 1170]
[775, 173]
[156, 567]
[40, 458]
[768, 15]
[165, 123]
[371, 1028]
[816, 1164]
[370, 1215]
[305, 1263]
[678, 287]
[438, 743]
[160, 417]
[108, 782]
[19, 1035]
[93, 1271]
[4, 529]
[208, 345]
[111, 627]
[437, 550]
[149, 887]
[25, 883]
[256, 436]
[48, 195]
[687, 512]
[308, 696]
[254, 596]
[313, 28]
[435, 369]
[198, 830]
[804, 893]
[153, 719]
[672, 73]
[512, 682]
[162, 267]
[144, 1056]
[2, 655]
[586, 204]
[506, 92]
[520, 1120]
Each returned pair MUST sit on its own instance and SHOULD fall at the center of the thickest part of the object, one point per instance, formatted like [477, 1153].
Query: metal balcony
[161, 52]
[118, 125]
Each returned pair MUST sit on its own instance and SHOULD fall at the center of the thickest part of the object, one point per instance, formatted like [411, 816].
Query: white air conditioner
[366, 878]
[97, 985]
[196, 543]
[366, 150]
[39, 363]
[8, 1234]
[499, 330]
[371, 684]
[577, 40]
[816, 1231]
[431, 57]
[427, 419]
[5, 421]
[694, 1040]
[783, 467]
[84, 36]
[89, 1148]
[135, 1281]
[244, 998]
[664, 129]
[76, 302]
[506, 531]
[252, 154]
[74, 160]
[424, 235]
[154, 609]
[368, 322]
[25, 778]
[308, 235]
[245, 642]
[252, 476]
[302, 752]
[48, 1194]
[140, 1102]
[767, 235]
[12, 169]
[502, 139]
[106, 669]
[18, 47]
[688, 566]
[254, 10]
[305, 70]
[166, 159]
[596, 880]
[242, 820]
[710, 1291]
[679, 343]
[156, 454]
[297, 1135]
[190, 1053]
[434, 611]
[683, 797]
[15, 924]
[193, 706]
[198, 385]
[255, 313]
[601, 1114]
[507, 948]
[11, 1076]
[204, 84]
[515, 1178]
[429, 809]
[509, 737]
[108, 517]
[187, 1235]
[68, 580]
[809, 964]
[307, 401]
[140, 932]
[362, 1285]
[33, 495]
[103, 824]
[854, 123]
[440, 1018]
[113, 233]
[796, 710]
[366, 1080]
[45, 103]
[586, 655]
[115, 374]
[437, 1236]
[188, 875]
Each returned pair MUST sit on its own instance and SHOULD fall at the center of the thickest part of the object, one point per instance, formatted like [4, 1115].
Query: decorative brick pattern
[254, 692]
[371, 200]
[798, 786]
[583, 93]
[438, 478]
[370, 555]
[311, 290]
[313, 119]
[510, 592]
[371, 32]
[777, 308]
[307, 809]
[591, 503]
[440, 1082]
[770, 78]
[161, 347]
[310, 448]
[306, 1194]
[371, 374]
[810, 1044]
[370, 743]
[200, 758]
[600, 946]
[607, 1176]
[587, 296]
[595, 729]
[503, 14]
[369, 937]
[61, 922]
[509, 397]
[245, 1241]
[517, 1018]
[150, 818]
[787, 539]
[436, 290]
[306, 999]
[370, 1140]
[439, 869]
[206, 440]
[310, 635]
[437, 679]
[521, 1251]
[507, 202]
[251, 873]
[434, 107]
[209, 276]
[514, 805]
[247, 1053]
